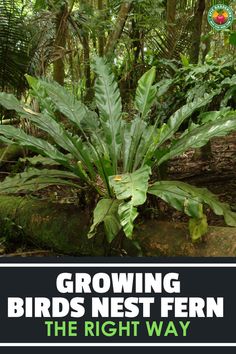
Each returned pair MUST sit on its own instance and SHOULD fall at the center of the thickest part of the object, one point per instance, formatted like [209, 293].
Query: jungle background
[57, 40]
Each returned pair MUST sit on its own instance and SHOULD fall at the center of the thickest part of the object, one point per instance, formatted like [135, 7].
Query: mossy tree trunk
[63, 228]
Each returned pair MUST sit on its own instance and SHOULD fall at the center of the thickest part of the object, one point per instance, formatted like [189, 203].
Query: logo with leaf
[220, 16]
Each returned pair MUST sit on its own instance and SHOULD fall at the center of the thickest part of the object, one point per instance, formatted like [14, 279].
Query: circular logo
[220, 16]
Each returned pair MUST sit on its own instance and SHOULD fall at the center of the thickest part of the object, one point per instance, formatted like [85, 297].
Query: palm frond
[15, 47]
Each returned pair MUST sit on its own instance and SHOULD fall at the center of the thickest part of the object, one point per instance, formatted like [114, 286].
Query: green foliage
[110, 154]
[106, 212]
[132, 187]
[178, 197]
[17, 46]
[35, 179]
[109, 104]
[184, 60]
[189, 199]
[146, 93]
[232, 38]
[200, 135]
[198, 227]
[195, 81]
[175, 121]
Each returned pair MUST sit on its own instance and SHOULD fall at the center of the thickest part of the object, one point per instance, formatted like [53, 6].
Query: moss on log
[64, 229]
[60, 227]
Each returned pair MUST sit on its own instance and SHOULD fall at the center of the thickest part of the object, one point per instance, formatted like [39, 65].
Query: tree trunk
[196, 31]
[136, 37]
[87, 69]
[119, 26]
[85, 38]
[60, 45]
[101, 34]
[205, 31]
[170, 16]
[128, 84]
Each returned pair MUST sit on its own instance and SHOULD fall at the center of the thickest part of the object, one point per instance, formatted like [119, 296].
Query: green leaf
[45, 122]
[132, 187]
[177, 193]
[65, 102]
[40, 5]
[199, 136]
[178, 198]
[39, 93]
[232, 39]
[184, 60]
[211, 116]
[198, 227]
[230, 93]
[18, 136]
[34, 179]
[56, 130]
[163, 86]
[32, 81]
[9, 101]
[106, 212]
[39, 160]
[132, 136]
[107, 92]
[108, 101]
[175, 121]
[127, 213]
[229, 81]
[146, 93]
[73, 144]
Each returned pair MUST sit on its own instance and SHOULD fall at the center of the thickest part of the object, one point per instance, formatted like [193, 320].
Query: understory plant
[111, 153]
[193, 81]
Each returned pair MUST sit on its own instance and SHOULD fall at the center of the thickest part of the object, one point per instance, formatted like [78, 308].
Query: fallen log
[64, 228]
[167, 239]
[61, 227]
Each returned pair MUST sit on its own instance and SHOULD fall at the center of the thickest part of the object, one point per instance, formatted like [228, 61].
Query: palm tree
[16, 47]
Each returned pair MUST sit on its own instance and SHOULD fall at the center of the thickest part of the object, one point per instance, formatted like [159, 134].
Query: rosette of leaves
[111, 154]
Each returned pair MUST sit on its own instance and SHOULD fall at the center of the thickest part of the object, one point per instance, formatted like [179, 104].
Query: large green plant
[111, 154]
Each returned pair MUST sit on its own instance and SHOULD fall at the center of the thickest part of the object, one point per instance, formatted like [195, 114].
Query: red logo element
[220, 17]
